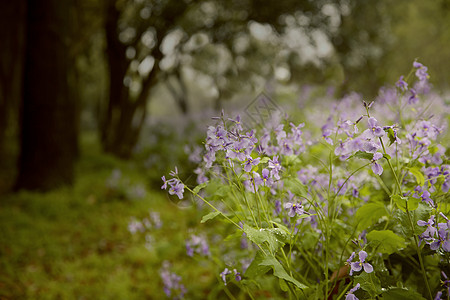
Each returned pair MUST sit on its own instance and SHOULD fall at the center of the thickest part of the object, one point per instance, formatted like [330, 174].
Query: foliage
[364, 206]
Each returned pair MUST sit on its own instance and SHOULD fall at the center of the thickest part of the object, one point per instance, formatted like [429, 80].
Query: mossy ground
[74, 243]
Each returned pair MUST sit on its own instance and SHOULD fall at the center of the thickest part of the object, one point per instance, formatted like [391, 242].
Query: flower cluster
[197, 244]
[293, 206]
[226, 271]
[172, 282]
[176, 186]
[359, 265]
[436, 235]
[153, 221]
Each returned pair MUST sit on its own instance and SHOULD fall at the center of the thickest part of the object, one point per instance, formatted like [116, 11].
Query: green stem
[419, 252]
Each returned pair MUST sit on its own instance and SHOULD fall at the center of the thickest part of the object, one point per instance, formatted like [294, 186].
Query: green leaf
[386, 156]
[283, 285]
[386, 241]
[369, 214]
[198, 188]
[391, 135]
[263, 236]
[255, 269]
[406, 202]
[279, 271]
[210, 216]
[418, 174]
[421, 213]
[264, 160]
[370, 283]
[399, 293]
[363, 155]
[433, 149]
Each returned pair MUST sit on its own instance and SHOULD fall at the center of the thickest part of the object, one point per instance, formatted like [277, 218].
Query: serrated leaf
[263, 236]
[386, 241]
[369, 282]
[404, 203]
[400, 202]
[421, 213]
[210, 216]
[399, 293]
[279, 271]
[418, 174]
[280, 234]
[369, 214]
[199, 187]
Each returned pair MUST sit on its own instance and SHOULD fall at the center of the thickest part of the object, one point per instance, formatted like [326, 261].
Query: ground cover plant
[351, 206]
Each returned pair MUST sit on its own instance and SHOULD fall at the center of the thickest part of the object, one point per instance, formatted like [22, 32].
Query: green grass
[73, 243]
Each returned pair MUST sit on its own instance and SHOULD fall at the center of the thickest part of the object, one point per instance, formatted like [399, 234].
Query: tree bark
[48, 119]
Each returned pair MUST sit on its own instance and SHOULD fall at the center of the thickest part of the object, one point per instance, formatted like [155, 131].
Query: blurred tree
[148, 41]
[11, 72]
[48, 120]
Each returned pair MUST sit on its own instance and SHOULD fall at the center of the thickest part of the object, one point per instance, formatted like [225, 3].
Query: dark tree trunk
[48, 131]
[12, 22]
[124, 117]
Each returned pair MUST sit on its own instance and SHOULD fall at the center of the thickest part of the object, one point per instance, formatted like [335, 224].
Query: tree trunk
[124, 116]
[48, 119]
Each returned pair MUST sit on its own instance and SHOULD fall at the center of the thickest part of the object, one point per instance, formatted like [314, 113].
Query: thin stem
[419, 252]
[213, 207]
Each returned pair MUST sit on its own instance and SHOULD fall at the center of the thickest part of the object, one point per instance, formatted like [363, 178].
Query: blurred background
[98, 99]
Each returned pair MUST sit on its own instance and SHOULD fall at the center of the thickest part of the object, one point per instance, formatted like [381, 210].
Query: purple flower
[197, 244]
[250, 162]
[370, 147]
[421, 72]
[413, 99]
[377, 168]
[224, 275]
[275, 167]
[374, 128]
[164, 186]
[294, 209]
[277, 209]
[350, 295]
[177, 189]
[237, 275]
[426, 198]
[237, 122]
[359, 265]
[172, 283]
[401, 84]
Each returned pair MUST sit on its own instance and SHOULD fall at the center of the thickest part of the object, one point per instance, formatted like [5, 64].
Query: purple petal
[446, 246]
[372, 122]
[378, 131]
[357, 286]
[362, 255]
[377, 156]
[377, 169]
[349, 260]
[356, 266]
[368, 268]
[422, 223]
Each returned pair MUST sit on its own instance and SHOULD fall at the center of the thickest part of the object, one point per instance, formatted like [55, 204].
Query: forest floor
[74, 242]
